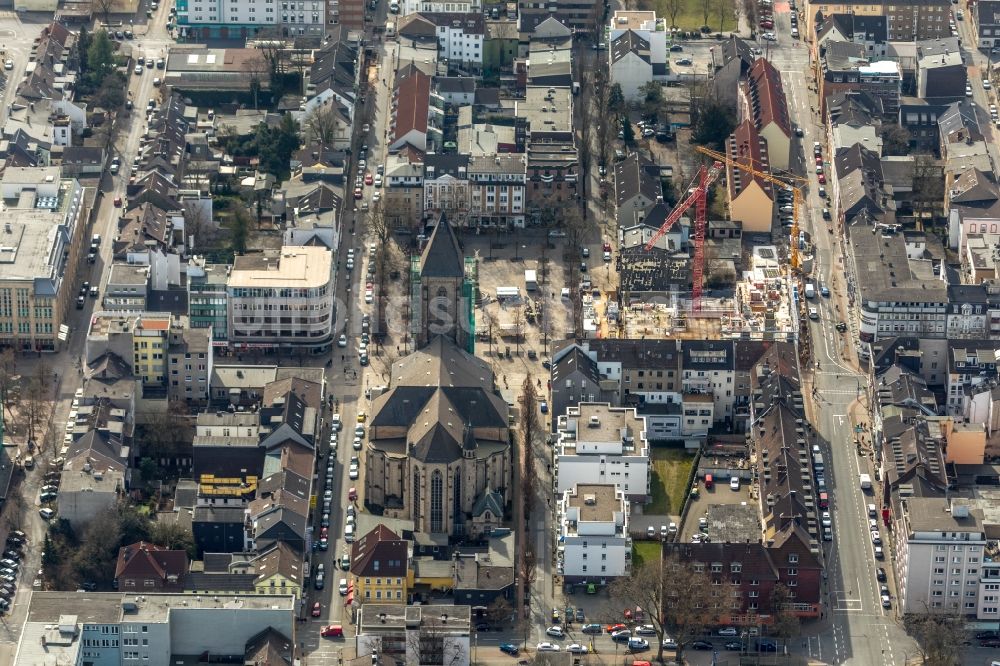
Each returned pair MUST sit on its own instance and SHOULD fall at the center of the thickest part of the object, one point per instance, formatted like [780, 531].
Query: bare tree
[585, 147]
[257, 68]
[104, 7]
[706, 9]
[197, 225]
[37, 400]
[939, 636]
[725, 10]
[786, 624]
[321, 125]
[168, 435]
[673, 594]
[490, 324]
[432, 644]
[928, 186]
[499, 612]
[600, 98]
[9, 382]
[674, 8]
[517, 321]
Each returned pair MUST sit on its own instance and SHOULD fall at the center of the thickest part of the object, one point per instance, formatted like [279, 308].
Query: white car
[876, 537]
[734, 483]
[357, 443]
[343, 587]
[576, 648]
[8, 64]
[359, 430]
[352, 473]
[827, 519]
[669, 643]
[770, 37]
[555, 632]
[342, 341]
[728, 631]
[335, 422]
[46, 513]
[369, 296]
[378, 180]
[547, 647]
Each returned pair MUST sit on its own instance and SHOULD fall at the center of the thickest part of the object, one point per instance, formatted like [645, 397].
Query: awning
[349, 599]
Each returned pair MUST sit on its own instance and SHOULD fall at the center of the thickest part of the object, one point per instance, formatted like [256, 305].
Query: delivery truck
[866, 482]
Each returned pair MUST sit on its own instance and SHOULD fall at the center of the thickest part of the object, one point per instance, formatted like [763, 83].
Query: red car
[607, 246]
[324, 532]
[317, 610]
[628, 613]
[118, 202]
[368, 178]
[767, 24]
[352, 494]
[612, 628]
[819, 159]
[822, 179]
[357, 193]
[332, 631]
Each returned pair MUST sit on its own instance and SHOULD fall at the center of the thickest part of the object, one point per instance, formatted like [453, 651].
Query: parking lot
[719, 494]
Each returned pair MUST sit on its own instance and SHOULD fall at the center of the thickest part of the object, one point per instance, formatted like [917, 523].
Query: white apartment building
[147, 630]
[281, 299]
[988, 598]
[600, 444]
[939, 556]
[461, 38]
[441, 6]
[593, 534]
[497, 189]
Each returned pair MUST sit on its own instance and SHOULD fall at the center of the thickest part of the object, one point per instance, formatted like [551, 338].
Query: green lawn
[692, 13]
[645, 551]
[671, 469]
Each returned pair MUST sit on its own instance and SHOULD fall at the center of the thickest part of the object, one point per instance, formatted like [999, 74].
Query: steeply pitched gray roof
[629, 42]
[437, 393]
[443, 257]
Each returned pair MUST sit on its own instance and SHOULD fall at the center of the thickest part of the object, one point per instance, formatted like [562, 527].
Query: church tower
[442, 288]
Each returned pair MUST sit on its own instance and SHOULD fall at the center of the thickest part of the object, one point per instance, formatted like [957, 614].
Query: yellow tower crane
[750, 166]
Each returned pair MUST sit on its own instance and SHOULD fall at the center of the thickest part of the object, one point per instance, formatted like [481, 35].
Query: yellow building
[140, 339]
[279, 571]
[380, 567]
[750, 197]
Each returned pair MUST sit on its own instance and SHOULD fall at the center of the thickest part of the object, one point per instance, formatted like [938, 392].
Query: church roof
[439, 395]
[491, 501]
[442, 257]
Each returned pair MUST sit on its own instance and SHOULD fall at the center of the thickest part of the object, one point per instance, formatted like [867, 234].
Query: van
[872, 511]
[709, 482]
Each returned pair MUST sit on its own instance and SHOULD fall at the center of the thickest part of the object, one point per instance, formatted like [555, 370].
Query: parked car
[547, 647]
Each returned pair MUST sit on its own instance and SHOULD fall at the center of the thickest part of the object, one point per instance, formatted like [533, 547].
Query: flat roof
[631, 20]
[30, 233]
[380, 618]
[128, 275]
[105, 323]
[547, 109]
[602, 509]
[296, 266]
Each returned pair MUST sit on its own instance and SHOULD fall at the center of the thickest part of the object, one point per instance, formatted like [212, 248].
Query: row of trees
[27, 400]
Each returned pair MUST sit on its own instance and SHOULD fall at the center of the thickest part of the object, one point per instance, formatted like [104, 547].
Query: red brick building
[150, 568]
